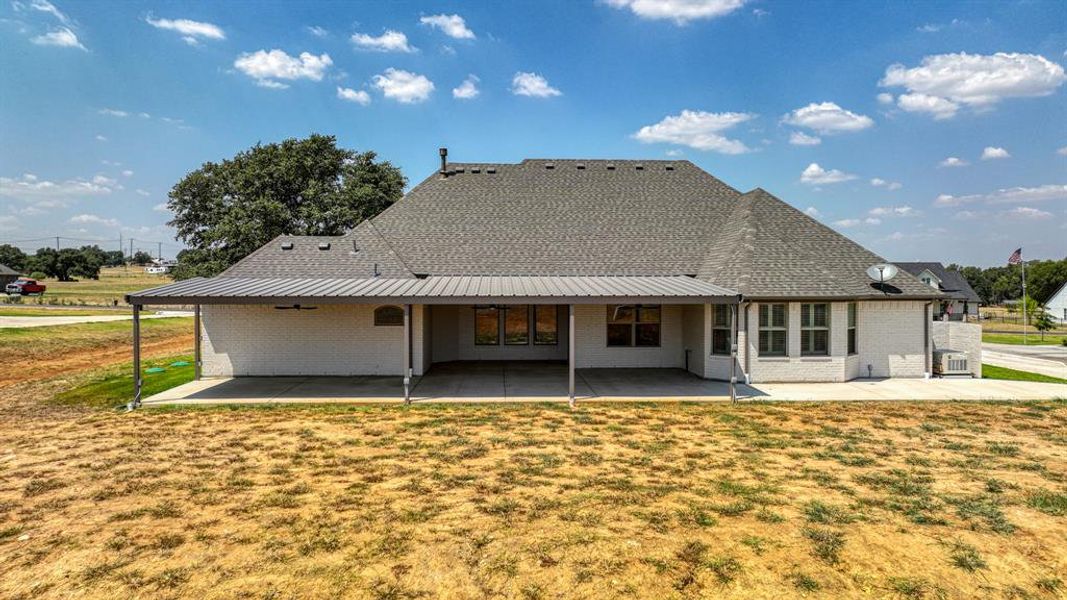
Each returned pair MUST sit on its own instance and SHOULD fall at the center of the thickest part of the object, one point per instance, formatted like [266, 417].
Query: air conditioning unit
[950, 363]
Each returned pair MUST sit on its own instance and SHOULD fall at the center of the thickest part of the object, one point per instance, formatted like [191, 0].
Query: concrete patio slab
[547, 382]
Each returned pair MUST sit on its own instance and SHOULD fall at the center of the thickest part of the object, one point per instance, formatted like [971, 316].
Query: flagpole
[1022, 263]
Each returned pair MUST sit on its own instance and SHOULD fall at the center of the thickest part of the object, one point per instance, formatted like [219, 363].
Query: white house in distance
[592, 263]
[1056, 305]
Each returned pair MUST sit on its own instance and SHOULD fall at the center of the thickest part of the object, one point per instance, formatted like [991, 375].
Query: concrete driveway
[47, 321]
[1047, 360]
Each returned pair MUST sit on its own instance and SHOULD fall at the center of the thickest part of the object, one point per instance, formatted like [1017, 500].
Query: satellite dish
[882, 272]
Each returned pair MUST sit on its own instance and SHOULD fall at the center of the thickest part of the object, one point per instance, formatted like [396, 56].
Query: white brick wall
[889, 338]
[696, 338]
[964, 337]
[331, 340]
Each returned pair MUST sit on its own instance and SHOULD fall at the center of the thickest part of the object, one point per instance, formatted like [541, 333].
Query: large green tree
[223, 211]
[12, 257]
[996, 284]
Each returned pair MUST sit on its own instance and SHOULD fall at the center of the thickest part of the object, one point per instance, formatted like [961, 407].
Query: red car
[25, 286]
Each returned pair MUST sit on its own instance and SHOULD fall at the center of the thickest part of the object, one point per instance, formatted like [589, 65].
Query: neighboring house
[960, 298]
[7, 275]
[160, 265]
[1056, 305]
[599, 263]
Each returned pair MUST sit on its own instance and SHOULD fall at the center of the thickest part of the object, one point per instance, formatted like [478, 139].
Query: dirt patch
[87, 359]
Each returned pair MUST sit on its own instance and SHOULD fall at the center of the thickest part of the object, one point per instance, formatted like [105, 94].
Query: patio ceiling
[438, 290]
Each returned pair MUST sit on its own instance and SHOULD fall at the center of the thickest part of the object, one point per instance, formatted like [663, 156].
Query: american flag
[1016, 257]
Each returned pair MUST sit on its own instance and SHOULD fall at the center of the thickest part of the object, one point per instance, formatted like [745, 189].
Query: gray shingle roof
[953, 283]
[550, 217]
[6, 270]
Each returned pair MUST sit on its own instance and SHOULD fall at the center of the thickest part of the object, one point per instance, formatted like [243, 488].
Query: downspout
[748, 344]
[926, 339]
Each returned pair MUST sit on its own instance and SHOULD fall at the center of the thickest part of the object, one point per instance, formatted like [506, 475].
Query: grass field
[1032, 339]
[110, 289]
[879, 500]
[7, 310]
[995, 372]
[113, 387]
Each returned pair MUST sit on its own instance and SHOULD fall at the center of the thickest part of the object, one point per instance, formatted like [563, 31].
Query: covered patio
[272, 356]
[467, 381]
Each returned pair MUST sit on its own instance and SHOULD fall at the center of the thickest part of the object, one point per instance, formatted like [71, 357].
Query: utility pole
[57, 243]
[159, 253]
[1022, 263]
[131, 249]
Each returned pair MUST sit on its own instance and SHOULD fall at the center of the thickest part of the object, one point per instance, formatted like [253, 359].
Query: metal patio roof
[436, 290]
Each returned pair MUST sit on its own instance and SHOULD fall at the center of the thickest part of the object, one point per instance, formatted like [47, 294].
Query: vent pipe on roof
[444, 160]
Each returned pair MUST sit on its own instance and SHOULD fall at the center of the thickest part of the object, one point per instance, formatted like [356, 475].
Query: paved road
[18, 322]
[1047, 360]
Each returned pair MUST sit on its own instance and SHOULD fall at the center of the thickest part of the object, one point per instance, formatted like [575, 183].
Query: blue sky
[925, 130]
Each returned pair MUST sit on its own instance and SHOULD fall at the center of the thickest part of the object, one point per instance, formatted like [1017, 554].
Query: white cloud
[847, 222]
[1062, 151]
[404, 87]
[62, 37]
[265, 67]
[827, 118]
[88, 219]
[191, 31]
[127, 173]
[452, 25]
[533, 85]
[674, 153]
[1025, 212]
[390, 41]
[937, 107]
[799, 138]
[468, 89]
[816, 175]
[1014, 195]
[47, 7]
[679, 11]
[993, 153]
[953, 161]
[141, 192]
[812, 212]
[697, 129]
[889, 185]
[885, 98]
[317, 31]
[944, 82]
[360, 97]
[111, 112]
[893, 211]
[100, 138]
[161, 207]
[29, 186]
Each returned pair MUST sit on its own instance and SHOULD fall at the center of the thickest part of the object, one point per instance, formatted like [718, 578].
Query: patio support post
[196, 342]
[570, 354]
[407, 354]
[136, 358]
[734, 316]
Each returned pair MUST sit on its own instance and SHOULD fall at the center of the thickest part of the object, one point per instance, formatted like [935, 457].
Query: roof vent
[670, 167]
[324, 245]
[475, 170]
[611, 167]
[580, 166]
[490, 170]
[550, 165]
[459, 170]
[639, 167]
[287, 245]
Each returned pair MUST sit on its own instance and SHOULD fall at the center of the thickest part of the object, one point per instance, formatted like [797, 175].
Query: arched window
[388, 316]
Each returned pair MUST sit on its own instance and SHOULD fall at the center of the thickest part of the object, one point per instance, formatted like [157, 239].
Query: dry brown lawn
[645, 501]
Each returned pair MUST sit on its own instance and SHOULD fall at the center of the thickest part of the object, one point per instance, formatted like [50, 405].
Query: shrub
[38, 275]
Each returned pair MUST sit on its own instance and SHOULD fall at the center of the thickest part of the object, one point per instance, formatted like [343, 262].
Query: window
[814, 329]
[388, 316]
[517, 324]
[773, 334]
[720, 329]
[546, 328]
[851, 327]
[633, 325]
[486, 326]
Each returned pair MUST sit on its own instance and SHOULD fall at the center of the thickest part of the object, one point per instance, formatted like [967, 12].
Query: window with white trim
[851, 327]
[720, 329]
[773, 332]
[814, 329]
[633, 325]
